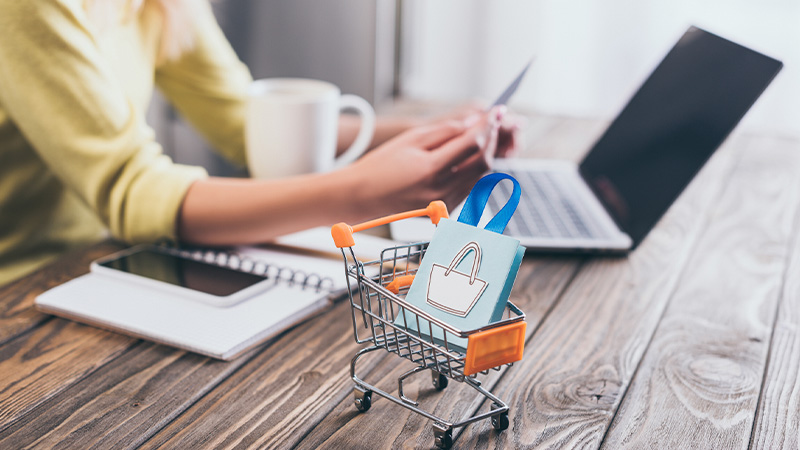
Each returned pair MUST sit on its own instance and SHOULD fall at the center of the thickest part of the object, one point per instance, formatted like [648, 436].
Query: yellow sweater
[76, 156]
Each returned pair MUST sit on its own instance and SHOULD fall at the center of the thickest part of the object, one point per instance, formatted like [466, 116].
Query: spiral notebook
[307, 282]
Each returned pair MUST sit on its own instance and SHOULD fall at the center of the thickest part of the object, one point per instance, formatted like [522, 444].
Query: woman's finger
[455, 151]
[481, 138]
[434, 135]
[481, 161]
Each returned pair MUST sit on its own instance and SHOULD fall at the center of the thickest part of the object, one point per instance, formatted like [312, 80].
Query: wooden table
[691, 341]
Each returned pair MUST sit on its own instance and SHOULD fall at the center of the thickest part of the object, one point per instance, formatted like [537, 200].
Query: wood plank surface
[777, 423]
[537, 288]
[39, 365]
[123, 403]
[50, 378]
[565, 391]
[42, 356]
[699, 382]
[17, 314]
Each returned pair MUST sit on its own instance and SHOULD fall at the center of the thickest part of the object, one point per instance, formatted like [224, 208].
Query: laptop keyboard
[549, 207]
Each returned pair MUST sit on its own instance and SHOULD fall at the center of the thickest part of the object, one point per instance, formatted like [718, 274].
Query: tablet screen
[183, 272]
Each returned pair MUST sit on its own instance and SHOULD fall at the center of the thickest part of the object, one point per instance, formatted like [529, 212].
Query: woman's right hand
[441, 161]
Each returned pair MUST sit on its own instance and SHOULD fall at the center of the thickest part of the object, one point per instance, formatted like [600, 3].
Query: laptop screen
[672, 125]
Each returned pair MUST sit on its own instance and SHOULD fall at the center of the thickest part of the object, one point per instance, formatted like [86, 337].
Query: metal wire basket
[381, 316]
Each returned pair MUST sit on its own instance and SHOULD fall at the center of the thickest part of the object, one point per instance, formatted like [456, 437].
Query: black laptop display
[672, 125]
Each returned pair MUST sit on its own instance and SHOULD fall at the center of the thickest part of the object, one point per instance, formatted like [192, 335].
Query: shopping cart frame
[378, 305]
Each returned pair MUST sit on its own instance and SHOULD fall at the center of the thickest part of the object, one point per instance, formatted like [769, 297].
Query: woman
[77, 159]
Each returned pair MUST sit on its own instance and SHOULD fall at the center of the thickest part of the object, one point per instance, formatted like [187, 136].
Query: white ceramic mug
[292, 124]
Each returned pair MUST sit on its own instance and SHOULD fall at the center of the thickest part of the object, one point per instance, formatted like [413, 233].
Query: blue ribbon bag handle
[476, 202]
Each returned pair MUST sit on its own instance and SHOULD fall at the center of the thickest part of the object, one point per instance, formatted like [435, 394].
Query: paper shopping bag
[467, 273]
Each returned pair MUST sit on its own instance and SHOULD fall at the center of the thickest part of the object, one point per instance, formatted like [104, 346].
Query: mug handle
[361, 144]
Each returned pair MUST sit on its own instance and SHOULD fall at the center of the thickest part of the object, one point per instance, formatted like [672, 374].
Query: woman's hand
[440, 161]
[509, 135]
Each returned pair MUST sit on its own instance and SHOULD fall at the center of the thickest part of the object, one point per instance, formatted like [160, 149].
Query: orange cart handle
[399, 283]
[343, 233]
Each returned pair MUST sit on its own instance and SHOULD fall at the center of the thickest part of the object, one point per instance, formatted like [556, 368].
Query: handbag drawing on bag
[453, 291]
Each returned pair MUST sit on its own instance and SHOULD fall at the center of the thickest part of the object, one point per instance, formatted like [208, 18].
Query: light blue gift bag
[466, 275]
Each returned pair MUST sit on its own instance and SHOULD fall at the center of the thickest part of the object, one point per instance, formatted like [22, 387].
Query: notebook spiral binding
[241, 263]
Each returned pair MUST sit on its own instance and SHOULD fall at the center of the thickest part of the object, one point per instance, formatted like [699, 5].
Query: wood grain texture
[565, 391]
[17, 314]
[39, 365]
[699, 382]
[53, 397]
[41, 356]
[278, 396]
[387, 425]
[123, 403]
[777, 423]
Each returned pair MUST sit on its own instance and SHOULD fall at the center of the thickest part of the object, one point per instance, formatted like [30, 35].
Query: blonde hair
[177, 35]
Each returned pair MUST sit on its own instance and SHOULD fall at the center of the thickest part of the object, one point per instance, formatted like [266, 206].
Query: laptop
[610, 201]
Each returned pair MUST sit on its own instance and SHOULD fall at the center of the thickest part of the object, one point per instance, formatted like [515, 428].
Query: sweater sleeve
[208, 86]
[59, 91]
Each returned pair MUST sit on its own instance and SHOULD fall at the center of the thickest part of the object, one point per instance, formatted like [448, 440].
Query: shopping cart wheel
[443, 437]
[500, 422]
[439, 380]
[363, 399]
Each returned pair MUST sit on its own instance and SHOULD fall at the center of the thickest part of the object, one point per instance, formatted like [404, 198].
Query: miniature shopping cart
[382, 317]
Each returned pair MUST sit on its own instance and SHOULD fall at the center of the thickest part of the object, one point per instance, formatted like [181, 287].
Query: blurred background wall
[590, 55]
